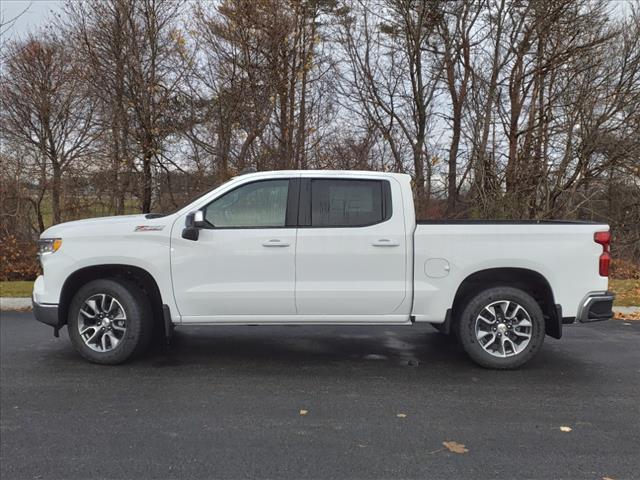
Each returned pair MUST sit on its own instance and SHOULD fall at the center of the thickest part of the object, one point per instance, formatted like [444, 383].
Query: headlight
[49, 245]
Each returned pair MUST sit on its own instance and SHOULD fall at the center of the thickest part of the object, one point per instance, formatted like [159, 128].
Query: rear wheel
[501, 327]
[110, 321]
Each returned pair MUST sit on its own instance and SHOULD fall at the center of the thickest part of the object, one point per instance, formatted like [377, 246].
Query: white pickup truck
[320, 248]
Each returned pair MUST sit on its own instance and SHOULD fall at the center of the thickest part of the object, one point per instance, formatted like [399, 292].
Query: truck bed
[446, 252]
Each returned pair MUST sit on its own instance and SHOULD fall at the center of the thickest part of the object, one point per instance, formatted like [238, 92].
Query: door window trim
[304, 205]
[291, 214]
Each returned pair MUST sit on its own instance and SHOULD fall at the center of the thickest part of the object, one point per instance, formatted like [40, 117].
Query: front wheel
[502, 328]
[110, 321]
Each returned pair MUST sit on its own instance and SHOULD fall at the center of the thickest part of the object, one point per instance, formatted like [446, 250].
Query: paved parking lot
[225, 402]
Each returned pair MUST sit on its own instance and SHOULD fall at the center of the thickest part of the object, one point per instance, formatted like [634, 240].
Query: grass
[627, 291]
[16, 289]
[92, 208]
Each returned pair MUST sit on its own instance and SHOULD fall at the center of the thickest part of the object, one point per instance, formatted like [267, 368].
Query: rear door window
[349, 203]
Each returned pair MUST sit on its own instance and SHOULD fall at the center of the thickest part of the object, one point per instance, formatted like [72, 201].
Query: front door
[243, 263]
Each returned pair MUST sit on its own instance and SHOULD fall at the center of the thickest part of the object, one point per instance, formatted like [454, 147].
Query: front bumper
[46, 313]
[596, 306]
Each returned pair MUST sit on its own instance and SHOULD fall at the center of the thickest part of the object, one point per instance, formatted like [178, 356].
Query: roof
[323, 173]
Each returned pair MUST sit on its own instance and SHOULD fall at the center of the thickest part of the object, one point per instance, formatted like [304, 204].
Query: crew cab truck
[320, 248]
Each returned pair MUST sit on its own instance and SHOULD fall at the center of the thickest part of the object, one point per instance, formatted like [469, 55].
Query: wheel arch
[525, 279]
[94, 272]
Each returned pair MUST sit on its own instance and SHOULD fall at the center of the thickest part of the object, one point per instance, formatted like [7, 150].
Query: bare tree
[154, 82]
[233, 83]
[391, 78]
[44, 107]
[533, 106]
[263, 73]
[99, 30]
[456, 32]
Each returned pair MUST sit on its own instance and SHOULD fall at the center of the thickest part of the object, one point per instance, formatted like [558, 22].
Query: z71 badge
[148, 228]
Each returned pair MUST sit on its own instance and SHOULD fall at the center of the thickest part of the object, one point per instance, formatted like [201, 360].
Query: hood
[106, 225]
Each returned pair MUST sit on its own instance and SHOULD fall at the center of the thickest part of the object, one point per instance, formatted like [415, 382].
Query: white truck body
[395, 271]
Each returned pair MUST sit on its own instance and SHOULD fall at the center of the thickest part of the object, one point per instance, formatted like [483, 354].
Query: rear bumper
[46, 313]
[596, 306]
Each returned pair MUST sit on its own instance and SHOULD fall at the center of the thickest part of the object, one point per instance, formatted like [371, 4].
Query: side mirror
[192, 225]
[198, 219]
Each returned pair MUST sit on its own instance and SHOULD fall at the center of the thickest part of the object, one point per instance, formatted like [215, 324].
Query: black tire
[467, 328]
[139, 320]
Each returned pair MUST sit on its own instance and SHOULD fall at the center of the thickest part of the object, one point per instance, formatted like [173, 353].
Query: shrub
[18, 260]
[625, 270]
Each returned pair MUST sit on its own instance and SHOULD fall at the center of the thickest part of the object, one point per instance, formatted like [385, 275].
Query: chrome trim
[586, 303]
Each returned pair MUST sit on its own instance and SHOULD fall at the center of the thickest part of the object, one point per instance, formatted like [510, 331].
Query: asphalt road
[225, 402]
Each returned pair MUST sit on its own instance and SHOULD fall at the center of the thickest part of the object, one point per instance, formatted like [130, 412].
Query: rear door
[351, 249]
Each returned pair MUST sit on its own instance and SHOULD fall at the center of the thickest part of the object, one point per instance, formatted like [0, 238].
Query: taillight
[604, 239]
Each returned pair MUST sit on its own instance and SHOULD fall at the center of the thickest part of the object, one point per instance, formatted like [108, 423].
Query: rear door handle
[385, 242]
[275, 242]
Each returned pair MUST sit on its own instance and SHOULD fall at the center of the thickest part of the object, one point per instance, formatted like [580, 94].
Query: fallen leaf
[455, 447]
[401, 415]
[304, 412]
[607, 478]
[565, 429]
[627, 316]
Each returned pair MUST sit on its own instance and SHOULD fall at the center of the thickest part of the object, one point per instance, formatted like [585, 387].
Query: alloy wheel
[503, 328]
[102, 322]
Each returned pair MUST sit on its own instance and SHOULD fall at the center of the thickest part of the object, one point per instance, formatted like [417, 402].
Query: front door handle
[385, 242]
[275, 242]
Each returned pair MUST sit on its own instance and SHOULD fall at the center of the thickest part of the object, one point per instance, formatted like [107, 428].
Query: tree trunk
[146, 179]
[55, 192]
[484, 171]
[421, 192]
[452, 181]
[120, 138]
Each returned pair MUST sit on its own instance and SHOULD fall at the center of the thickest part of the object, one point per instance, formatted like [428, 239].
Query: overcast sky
[37, 14]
